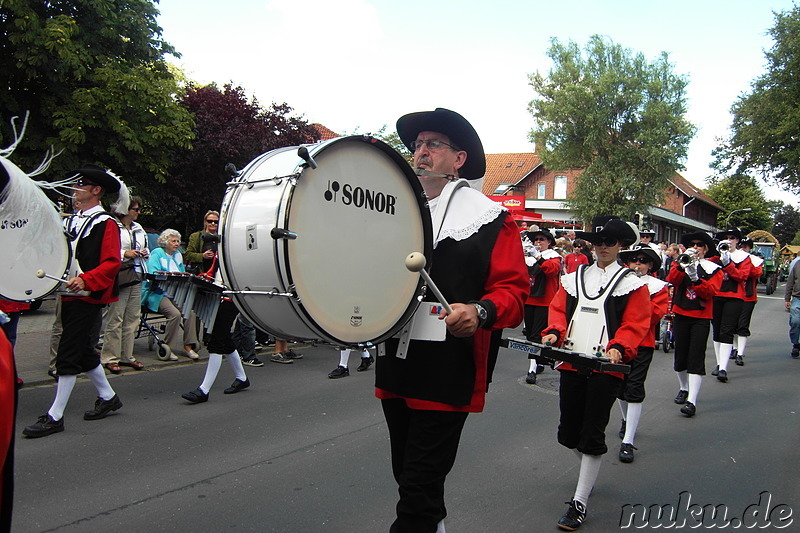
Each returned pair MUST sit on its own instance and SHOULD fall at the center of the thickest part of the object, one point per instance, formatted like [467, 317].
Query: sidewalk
[32, 350]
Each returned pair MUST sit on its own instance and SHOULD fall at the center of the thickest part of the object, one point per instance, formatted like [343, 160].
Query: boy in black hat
[478, 266]
[97, 253]
[696, 281]
[729, 300]
[644, 261]
[603, 301]
[544, 269]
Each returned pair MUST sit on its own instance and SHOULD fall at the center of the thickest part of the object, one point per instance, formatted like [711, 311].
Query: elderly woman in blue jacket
[167, 258]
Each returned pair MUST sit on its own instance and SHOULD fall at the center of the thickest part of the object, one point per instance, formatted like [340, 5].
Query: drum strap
[444, 205]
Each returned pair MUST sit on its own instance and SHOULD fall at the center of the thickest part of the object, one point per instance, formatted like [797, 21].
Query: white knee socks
[695, 380]
[740, 343]
[632, 422]
[100, 381]
[532, 368]
[236, 365]
[212, 369]
[724, 355]
[683, 380]
[344, 356]
[63, 390]
[590, 467]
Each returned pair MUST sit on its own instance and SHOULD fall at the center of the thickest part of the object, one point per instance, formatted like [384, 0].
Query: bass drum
[319, 253]
[31, 236]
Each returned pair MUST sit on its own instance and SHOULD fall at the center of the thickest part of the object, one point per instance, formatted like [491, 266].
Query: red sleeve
[102, 277]
[659, 302]
[551, 266]
[635, 324]
[507, 284]
[705, 288]
[557, 315]
[8, 402]
[756, 271]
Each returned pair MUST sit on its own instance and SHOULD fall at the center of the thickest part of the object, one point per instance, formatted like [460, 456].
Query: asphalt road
[301, 453]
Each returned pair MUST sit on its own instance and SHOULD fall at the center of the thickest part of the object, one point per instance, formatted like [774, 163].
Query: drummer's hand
[614, 355]
[208, 254]
[463, 321]
[76, 284]
[549, 338]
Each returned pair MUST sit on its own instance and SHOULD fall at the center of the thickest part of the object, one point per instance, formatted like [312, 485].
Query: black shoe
[796, 351]
[530, 379]
[722, 376]
[689, 409]
[52, 373]
[626, 453]
[255, 361]
[366, 362]
[622, 429]
[739, 360]
[339, 372]
[237, 386]
[196, 396]
[291, 354]
[715, 372]
[44, 426]
[734, 353]
[680, 399]
[574, 516]
[539, 369]
[102, 408]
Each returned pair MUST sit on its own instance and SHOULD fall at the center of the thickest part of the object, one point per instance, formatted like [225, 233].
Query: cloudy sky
[360, 64]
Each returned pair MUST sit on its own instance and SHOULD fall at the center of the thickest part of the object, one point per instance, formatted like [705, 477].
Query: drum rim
[67, 240]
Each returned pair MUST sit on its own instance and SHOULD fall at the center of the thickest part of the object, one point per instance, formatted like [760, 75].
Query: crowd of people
[602, 291]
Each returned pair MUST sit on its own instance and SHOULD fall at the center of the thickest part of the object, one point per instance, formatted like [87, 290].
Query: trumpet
[724, 246]
[688, 258]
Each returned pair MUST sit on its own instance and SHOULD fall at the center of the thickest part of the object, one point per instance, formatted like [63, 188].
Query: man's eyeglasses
[432, 144]
[641, 260]
[83, 182]
[607, 241]
[212, 221]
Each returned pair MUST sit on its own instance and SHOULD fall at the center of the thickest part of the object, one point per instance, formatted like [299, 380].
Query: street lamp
[744, 210]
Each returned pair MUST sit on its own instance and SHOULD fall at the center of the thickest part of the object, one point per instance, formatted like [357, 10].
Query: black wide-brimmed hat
[687, 238]
[648, 232]
[99, 177]
[626, 255]
[532, 234]
[610, 226]
[720, 235]
[746, 241]
[456, 127]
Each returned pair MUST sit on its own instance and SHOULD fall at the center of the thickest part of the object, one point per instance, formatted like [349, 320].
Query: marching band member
[750, 299]
[97, 252]
[599, 308]
[729, 300]
[220, 343]
[696, 282]
[544, 269]
[478, 266]
[644, 262]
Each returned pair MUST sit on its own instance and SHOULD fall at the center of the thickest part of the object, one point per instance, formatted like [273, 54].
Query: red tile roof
[507, 168]
[323, 133]
[687, 188]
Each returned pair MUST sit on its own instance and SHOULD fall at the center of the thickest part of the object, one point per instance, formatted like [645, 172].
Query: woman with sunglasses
[203, 244]
[644, 261]
[122, 318]
[696, 281]
[603, 308]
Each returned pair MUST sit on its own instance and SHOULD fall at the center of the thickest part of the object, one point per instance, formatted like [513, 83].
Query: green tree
[741, 191]
[786, 223]
[617, 116]
[92, 75]
[766, 122]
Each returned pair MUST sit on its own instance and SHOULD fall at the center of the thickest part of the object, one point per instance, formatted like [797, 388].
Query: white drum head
[31, 239]
[357, 217]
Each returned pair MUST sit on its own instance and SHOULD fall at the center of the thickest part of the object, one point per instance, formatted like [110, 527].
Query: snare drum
[319, 253]
[32, 238]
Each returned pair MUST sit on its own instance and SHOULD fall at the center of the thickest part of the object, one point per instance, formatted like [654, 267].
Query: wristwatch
[482, 314]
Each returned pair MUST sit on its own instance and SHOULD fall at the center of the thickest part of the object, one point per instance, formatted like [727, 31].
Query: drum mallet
[42, 274]
[415, 262]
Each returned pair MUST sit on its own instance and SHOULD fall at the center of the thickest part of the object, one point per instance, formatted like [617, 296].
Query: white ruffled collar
[595, 278]
[708, 266]
[468, 211]
[737, 256]
[757, 261]
[654, 284]
[550, 254]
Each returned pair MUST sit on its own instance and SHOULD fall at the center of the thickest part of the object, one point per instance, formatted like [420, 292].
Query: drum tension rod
[280, 233]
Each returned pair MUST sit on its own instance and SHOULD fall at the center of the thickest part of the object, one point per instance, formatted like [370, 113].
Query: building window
[560, 188]
[541, 191]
